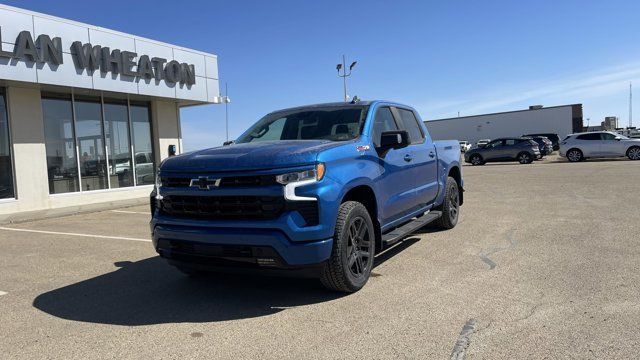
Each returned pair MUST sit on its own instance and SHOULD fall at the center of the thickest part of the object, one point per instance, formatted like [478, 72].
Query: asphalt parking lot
[545, 263]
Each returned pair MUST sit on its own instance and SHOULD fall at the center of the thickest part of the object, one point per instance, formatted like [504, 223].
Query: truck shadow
[151, 292]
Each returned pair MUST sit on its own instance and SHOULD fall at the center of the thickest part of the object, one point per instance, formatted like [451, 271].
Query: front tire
[634, 153]
[476, 160]
[575, 155]
[349, 267]
[451, 206]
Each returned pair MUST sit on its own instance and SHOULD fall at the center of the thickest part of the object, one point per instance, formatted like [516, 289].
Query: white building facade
[561, 120]
[87, 113]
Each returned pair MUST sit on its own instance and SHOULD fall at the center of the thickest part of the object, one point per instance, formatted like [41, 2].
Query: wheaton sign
[89, 57]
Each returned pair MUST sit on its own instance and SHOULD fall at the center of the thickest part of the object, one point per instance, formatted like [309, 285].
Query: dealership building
[87, 113]
[560, 120]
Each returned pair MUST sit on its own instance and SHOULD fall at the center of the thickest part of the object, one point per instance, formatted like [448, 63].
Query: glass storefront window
[93, 164]
[103, 156]
[6, 170]
[60, 144]
[142, 145]
[116, 129]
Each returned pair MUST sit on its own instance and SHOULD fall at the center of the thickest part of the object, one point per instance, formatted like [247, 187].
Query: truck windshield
[331, 123]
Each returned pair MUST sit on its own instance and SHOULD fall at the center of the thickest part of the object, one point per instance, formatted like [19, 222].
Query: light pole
[344, 75]
[226, 101]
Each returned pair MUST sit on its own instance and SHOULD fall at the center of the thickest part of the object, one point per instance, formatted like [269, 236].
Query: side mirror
[172, 150]
[394, 140]
[227, 143]
[618, 138]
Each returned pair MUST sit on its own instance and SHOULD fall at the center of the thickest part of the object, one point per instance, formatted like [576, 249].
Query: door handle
[408, 158]
[432, 154]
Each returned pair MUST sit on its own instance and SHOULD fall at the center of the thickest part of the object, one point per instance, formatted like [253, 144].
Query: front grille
[225, 182]
[224, 207]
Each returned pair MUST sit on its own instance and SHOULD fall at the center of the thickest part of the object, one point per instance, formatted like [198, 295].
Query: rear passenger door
[510, 148]
[590, 144]
[423, 160]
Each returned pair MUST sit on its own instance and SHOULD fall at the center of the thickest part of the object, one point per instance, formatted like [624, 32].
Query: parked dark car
[555, 139]
[523, 150]
[544, 144]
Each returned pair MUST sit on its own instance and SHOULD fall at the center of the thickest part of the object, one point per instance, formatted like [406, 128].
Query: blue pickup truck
[315, 190]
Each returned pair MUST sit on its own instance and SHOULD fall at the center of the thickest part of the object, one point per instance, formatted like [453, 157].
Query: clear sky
[442, 57]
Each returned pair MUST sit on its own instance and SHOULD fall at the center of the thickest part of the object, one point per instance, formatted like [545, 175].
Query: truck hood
[250, 156]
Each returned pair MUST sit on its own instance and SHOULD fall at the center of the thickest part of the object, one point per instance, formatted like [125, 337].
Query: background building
[561, 120]
[610, 123]
[87, 113]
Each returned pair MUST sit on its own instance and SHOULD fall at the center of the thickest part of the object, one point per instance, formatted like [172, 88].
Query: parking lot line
[3, 293]
[74, 234]
[130, 212]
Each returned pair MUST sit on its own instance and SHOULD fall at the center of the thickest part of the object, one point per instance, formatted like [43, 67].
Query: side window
[595, 136]
[510, 142]
[410, 124]
[495, 144]
[383, 121]
[607, 136]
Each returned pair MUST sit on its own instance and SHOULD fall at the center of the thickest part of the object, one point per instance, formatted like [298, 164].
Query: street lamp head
[338, 67]
[352, 65]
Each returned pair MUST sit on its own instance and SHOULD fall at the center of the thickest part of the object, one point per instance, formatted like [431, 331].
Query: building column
[166, 128]
[29, 152]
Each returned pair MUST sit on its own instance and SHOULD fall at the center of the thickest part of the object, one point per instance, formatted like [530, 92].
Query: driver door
[494, 151]
[609, 146]
[394, 185]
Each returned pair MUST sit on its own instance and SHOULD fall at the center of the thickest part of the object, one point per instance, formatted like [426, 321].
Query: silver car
[599, 144]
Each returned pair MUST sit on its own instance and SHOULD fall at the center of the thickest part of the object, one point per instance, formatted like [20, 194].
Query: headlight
[314, 174]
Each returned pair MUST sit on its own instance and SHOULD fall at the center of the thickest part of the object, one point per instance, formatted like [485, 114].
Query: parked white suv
[577, 147]
[464, 146]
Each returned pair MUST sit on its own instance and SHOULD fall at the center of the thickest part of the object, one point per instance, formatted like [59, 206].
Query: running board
[405, 230]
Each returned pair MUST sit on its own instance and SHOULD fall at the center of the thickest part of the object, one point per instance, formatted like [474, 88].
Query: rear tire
[634, 153]
[451, 206]
[525, 158]
[476, 160]
[349, 267]
[575, 155]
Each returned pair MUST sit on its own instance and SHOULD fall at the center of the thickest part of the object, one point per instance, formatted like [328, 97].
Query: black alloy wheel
[476, 160]
[349, 266]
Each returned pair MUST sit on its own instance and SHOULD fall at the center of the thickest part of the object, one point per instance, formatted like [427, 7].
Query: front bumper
[292, 240]
[237, 248]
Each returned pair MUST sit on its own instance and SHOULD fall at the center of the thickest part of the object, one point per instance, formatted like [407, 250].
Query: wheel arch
[456, 174]
[631, 147]
[365, 195]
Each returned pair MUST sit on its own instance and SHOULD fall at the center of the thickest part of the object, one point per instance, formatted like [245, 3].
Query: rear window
[411, 126]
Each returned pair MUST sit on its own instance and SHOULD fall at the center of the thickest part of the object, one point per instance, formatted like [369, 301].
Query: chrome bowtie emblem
[204, 183]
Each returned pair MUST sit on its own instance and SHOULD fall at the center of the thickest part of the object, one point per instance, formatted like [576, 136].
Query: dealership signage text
[90, 57]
